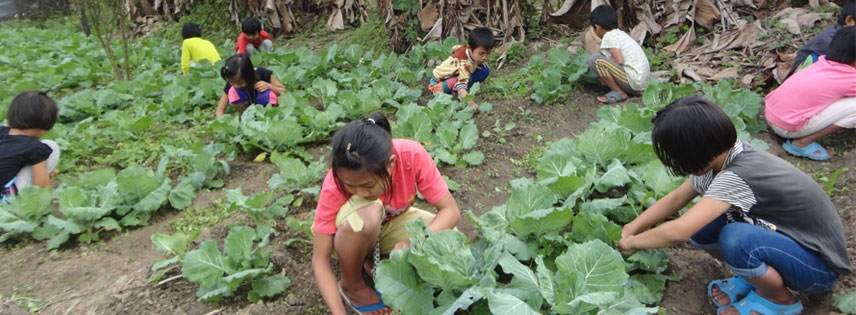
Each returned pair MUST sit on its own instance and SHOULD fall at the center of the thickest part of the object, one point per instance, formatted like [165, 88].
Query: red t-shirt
[241, 46]
[414, 169]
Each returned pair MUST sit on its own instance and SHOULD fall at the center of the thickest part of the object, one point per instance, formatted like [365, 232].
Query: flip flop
[364, 308]
[613, 97]
[810, 151]
[733, 287]
[755, 303]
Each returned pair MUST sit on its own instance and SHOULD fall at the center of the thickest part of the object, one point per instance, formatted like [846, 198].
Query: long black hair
[363, 145]
[241, 65]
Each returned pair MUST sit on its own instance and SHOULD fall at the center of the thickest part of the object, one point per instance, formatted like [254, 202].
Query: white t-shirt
[635, 61]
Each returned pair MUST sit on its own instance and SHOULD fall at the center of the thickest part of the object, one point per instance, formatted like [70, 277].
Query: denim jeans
[748, 250]
[479, 75]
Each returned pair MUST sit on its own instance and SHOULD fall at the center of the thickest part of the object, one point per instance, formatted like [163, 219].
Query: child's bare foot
[720, 296]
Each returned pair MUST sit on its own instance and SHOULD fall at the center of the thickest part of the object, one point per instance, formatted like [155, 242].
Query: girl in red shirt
[364, 205]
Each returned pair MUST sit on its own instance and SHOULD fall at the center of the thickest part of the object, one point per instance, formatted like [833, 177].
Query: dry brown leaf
[592, 42]
[747, 80]
[728, 73]
[705, 72]
[747, 36]
[428, 16]
[690, 73]
[808, 19]
[639, 32]
[705, 13]
[436, 31]
[336, 22]
[780, 71]
[684, 43]
[646, 18]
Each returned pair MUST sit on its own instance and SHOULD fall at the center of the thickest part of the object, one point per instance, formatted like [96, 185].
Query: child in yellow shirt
[194, 48]
[466, 66]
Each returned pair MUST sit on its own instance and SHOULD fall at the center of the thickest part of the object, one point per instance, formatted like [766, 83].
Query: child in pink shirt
[817, 101]
[365, 204]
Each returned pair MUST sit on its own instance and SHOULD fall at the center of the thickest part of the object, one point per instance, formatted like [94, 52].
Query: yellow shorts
[391, 232]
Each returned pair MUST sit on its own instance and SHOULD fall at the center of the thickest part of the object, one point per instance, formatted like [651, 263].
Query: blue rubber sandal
[733, 287]
[755, 303]
[364, 308]
[812, 151]
[613, 97]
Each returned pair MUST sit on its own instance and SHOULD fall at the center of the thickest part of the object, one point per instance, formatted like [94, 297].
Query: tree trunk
[84, 23]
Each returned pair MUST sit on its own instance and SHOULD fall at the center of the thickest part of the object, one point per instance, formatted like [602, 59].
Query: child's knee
[267, 44]
[53, 158]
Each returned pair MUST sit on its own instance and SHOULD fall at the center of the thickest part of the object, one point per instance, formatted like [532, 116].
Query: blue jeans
[481, 74]
[748, 250]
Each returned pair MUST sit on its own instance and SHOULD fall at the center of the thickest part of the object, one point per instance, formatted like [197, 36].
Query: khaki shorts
[391, 232]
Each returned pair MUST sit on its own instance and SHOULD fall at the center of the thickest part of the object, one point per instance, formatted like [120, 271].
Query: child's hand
[403, 243]
[53, 174]
[475, 106]
[262, 86]
[624, 246]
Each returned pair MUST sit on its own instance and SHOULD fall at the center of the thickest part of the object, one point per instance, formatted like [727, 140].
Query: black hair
[251, 25]
[690, 133]
[605, 16]
[32, 110]
[191, 30]
[848, 9]
[364, 144]
[481, 36]
[842, 48]
[242, 66]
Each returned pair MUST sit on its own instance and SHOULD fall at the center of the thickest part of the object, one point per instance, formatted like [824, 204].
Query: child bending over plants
[817, 101]
[819, 45]
[247, 85]
[194, 48]
[621, 63]
[774, 237]
[365, 202]
[466, 66]
[252, 37]
[25, 160]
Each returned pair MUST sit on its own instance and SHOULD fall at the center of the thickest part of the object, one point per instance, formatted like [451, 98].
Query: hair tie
[371, 120]
[348, 148]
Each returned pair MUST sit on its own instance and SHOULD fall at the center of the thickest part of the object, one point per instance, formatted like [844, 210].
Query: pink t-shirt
[414, 169]
[808, 92]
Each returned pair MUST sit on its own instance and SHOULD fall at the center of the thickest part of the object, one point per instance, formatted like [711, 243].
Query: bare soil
[112, 277]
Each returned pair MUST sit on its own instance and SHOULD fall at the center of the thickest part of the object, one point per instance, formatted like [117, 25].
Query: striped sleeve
[730, 188]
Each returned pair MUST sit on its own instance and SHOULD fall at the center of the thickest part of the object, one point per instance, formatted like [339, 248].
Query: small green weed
[659, 60]
[31, 304]
[197, 218]
[530, 160]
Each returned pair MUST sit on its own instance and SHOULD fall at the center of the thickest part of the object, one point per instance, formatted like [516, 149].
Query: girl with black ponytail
[366, 201]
